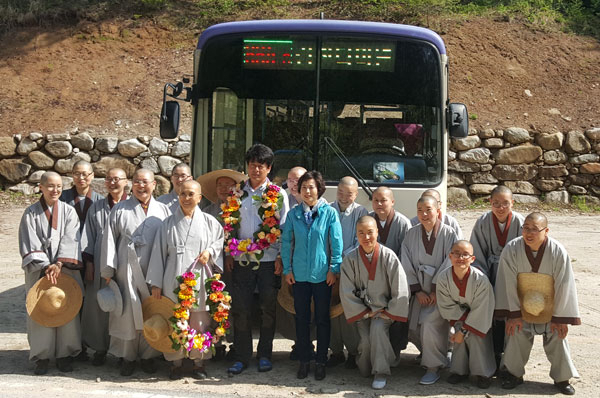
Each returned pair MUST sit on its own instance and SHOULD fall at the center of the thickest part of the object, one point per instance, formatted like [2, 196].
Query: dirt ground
[107, 77]
[579, 233]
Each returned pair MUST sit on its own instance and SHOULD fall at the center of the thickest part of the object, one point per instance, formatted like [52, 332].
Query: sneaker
[351, 362]
[199, 373]
[99, 358]
[335, 359]
[303, 370]
[455, 378]
[237, 368]
[41, 367]
[176, 372]
[64, 364]
[148, 366]
[483, 382]
[264, 365]
[379, 382]
[431, 376]
[320, 372]
[127, 367]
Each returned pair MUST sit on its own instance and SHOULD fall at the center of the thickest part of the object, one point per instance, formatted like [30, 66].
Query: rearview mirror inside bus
[169, 120]
[458, 120]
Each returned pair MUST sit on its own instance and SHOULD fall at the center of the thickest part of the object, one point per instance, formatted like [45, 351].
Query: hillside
[107, 76]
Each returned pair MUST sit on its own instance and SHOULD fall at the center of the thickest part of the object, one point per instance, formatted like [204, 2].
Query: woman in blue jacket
[312, 253]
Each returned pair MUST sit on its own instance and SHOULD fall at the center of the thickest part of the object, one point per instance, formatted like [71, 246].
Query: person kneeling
[374, 294]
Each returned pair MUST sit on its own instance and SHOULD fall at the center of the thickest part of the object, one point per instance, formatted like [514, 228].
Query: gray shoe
[431, 376]
[379, 382]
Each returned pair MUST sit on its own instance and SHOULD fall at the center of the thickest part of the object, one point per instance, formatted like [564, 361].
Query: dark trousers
[245, 281]
[321, 294]
[498, 331]
[399, 336]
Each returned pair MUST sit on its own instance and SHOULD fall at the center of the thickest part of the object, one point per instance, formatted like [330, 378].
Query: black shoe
[127, 367]
[303, 370]
[41, 367]
[199, 373]
[455, 378]
[99, 358]
[320, 371]
[351, 362]
[336, 359]
[82, 357]
[565, 387]
[64, 364]
[176, 372]
[510, 381]
[148, 366]
[483, 382]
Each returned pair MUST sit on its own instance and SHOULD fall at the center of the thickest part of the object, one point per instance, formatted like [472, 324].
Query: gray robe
[348, 221]
[126, 247]
[71, 197]
[399, 226]
[468, 304]
[177, 244]
[94, 321]
[214, 210]
[487, 243]
[375, 285]
[556, 262]
[427, 329]
[446, 219]
[45, 239]
[170, 199]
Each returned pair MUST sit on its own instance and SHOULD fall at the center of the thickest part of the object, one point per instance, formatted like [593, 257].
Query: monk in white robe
[126, 248]
[492, 231]
[189, 240]
[444, 218]
[81, 196]
[94, 321]
[465, 298]
[374, 293]
[536, 252]
[180, 174]
[49, 245]
[342, 332]
[424, 254]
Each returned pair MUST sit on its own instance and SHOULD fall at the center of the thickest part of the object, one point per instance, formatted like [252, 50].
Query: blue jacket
[312, 258]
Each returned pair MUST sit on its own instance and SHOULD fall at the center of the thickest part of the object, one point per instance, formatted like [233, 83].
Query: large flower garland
[269, 230]
[219, 303]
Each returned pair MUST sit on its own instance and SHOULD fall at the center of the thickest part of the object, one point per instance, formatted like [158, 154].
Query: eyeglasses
[461, 255]
[142, 182]
[114, 180]
[81, 175]
[498, 205]
[529, 230]
[181, 176]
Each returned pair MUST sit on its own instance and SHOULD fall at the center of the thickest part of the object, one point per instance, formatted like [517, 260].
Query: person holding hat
[311, 249]
[50, 249]
[180, 174]
[216, 186]
[94, 321]
[425, 251]
[189, 240]
[536, 294]
[126, 247]
[465, 298]
[374, 294]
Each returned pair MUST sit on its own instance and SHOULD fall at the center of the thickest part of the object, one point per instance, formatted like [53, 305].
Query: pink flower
[228, 227]
[217, 286]
[189, 275]
[274, 188]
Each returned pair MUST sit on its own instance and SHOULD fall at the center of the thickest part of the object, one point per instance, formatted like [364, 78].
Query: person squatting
[128, 275]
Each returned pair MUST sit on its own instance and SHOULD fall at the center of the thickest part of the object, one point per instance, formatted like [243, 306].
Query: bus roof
[319, 25]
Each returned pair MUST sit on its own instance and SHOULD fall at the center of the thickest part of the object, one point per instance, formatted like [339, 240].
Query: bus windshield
[378, 100]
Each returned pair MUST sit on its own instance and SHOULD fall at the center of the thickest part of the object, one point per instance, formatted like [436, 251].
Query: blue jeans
[321, 294]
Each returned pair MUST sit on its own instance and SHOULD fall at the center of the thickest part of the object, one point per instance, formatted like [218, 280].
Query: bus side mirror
[458, 120]
[169, 120]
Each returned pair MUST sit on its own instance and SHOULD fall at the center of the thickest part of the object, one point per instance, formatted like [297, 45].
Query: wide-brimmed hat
[208, 182]
[536, 295]
[157, 327]
[285, 298]
[54, 305]
[109, 298]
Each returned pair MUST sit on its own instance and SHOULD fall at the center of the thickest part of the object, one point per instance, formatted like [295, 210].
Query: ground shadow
[12, 301]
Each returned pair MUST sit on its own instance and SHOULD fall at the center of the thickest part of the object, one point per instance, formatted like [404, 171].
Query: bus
[365, 99]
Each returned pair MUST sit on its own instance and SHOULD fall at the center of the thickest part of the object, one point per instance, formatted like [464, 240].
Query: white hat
[109, 299]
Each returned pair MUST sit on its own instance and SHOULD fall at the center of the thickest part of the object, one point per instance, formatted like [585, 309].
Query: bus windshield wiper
[340, 154]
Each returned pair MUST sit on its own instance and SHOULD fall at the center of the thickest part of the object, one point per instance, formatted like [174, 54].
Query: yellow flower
[269, 213]
[220, 331]
[261, 235]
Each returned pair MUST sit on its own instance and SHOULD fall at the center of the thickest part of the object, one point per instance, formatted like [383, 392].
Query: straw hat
[208, 182]
[285, 298]
[536, 294]
[109, 298]
[54, 305]
[157, 326]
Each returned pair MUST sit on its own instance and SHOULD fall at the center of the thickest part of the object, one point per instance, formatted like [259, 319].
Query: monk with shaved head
[391, 224]
[444, 217]
[292, 182]
[536, 294]
[81, 196]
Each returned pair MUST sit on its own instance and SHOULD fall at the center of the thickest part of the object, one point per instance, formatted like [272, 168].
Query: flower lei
[268, 232]
[219, 303]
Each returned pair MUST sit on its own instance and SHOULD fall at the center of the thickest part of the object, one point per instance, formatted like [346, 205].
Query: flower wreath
[219, 303]
[268, 232]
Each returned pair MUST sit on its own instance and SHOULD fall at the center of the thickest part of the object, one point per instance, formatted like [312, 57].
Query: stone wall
[23, 160]
[551, 167]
